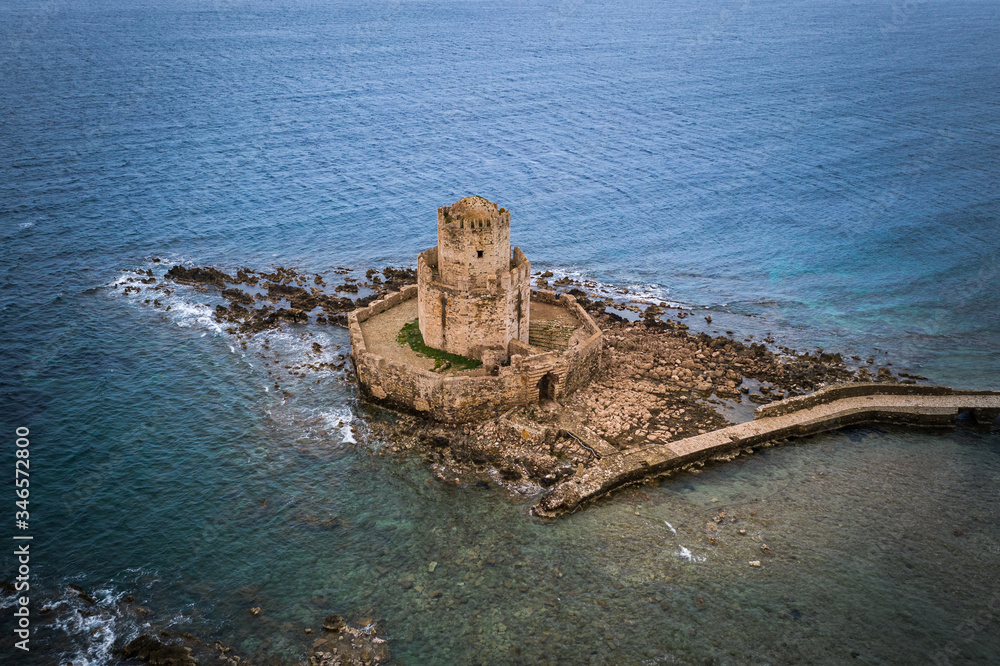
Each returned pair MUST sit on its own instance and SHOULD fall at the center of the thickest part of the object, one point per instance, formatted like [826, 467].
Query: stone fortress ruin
[471, 339]
[472, 295]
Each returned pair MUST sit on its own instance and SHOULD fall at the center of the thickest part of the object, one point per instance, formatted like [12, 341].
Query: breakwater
[827, 409]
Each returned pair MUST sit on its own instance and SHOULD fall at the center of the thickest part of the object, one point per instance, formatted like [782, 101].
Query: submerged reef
[147, 638]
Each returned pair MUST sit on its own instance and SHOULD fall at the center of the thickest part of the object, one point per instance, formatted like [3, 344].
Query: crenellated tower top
[473, 244]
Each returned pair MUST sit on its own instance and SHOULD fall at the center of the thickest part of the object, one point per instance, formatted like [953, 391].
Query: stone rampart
[468, 397]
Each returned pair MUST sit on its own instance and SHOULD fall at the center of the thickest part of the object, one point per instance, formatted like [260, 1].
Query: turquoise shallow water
[830, 169]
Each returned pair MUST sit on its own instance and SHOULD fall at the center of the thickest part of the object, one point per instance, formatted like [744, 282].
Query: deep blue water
[830, 168]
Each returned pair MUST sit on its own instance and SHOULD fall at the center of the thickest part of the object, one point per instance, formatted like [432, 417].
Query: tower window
[479, 253]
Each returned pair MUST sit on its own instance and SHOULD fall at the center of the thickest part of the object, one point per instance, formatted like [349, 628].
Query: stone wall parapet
[468, 397]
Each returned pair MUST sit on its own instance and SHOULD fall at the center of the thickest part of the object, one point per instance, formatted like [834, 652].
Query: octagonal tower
[473, 292]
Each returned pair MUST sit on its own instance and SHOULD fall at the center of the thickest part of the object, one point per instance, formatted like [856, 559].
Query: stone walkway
[828, 409]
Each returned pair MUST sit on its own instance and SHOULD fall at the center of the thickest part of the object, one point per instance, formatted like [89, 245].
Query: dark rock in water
[277, 291]
[246, 276]
[333, 623]
[291, 314]
[652, 311]
[196, 276]
[349, 646]
[885, 375]
[405, 274]
[83, 595]
[237, 296]
[155, 652]
[7, 587]
[510, 473]
[434, 440]
[397, 278]
[281, 275]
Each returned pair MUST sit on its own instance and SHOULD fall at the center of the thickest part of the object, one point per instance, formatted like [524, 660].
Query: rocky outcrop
[155, 652]
[199, 276]
[291, 297]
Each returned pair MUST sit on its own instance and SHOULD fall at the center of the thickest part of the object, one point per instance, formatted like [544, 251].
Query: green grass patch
[410, 335]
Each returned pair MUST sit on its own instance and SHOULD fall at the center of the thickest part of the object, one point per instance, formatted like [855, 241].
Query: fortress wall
[518, 302]
[468, 398]
[438, 397]
[430, 295]
[584, 363]
[584, 360]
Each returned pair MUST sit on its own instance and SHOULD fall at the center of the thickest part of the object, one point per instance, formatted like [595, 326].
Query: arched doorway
[547, 388]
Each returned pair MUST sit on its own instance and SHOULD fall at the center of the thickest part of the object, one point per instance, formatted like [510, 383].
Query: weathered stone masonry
[531, 376]
[473, 296]
[474, 299]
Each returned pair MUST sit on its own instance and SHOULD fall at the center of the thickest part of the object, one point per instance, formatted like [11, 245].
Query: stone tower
[473, 293]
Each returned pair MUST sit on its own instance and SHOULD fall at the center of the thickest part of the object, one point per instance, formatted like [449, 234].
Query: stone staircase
[550, 335]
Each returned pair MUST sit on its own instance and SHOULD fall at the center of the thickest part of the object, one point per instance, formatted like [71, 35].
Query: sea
[826, 172]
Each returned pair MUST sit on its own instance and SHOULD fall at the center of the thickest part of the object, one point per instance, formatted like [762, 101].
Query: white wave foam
[94, 633]
[340, 419]
[670, 526]
[182, 312]
[348, 435]
[642, 293]
[189, 315]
